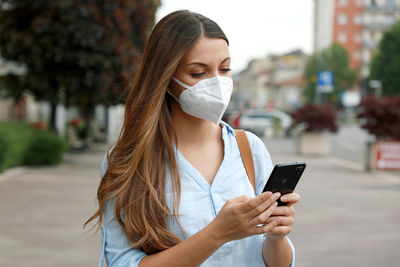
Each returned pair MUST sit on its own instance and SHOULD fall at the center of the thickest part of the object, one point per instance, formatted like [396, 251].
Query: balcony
[370, 44]
[388, 9]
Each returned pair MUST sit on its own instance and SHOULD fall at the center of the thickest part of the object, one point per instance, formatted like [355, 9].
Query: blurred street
[346, 217]
[74, 75]
[349, 143]
[43, 211]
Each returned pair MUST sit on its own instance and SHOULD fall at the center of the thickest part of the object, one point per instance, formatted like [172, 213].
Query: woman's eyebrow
[226, 59]
[198, 63]
[205, 65]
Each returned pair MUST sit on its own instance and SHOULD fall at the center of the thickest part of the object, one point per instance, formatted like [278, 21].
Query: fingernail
[283, 198]
[277, 194]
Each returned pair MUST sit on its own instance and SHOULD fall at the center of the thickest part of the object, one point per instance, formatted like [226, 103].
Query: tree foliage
[333, 58]
[385, 65]
[79, 51]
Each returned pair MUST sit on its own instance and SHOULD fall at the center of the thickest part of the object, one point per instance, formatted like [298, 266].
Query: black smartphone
[284, 178]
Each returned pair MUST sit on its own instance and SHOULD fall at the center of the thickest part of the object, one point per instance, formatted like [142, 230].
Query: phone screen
[284, 178]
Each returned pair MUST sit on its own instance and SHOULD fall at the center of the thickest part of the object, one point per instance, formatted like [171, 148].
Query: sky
[255, 28]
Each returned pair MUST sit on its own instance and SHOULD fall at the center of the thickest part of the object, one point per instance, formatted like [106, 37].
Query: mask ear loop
[177, 100]
[181, 83]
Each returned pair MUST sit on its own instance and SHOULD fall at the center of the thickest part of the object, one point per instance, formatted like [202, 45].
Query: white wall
[115, 122]
[323, 23]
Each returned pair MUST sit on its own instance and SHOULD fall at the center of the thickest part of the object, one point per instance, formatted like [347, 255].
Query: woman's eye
[197, 75]
[225, 70]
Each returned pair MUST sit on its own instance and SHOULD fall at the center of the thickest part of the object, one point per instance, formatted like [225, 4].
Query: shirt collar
[228, 128]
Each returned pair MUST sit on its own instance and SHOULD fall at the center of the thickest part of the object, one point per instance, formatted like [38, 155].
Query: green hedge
[20, 144]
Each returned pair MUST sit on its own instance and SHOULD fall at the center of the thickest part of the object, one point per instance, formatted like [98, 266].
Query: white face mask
[207, 99]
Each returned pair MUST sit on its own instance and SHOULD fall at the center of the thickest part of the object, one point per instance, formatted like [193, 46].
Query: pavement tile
[346, 217]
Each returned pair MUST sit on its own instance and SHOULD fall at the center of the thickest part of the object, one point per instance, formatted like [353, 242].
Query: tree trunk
[87, 114]
[18, 109]
[52, 123]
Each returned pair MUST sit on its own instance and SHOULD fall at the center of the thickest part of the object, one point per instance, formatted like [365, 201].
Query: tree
[333, 58]
[385, 65]
[79, 52]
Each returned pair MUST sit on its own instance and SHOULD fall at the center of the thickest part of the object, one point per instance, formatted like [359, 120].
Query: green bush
[25, 145]
[46, 148]
[3, 152]
[18, 136]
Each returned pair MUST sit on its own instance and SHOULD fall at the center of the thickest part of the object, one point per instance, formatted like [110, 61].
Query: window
[367, 18]
[357, 38]
[342, 2]
[374, 19]
[366, 55]
[389, 20]
[366, 36]
[357, 19]
[342, 37]
[378, 36]
[359, 3]
[342, 19]
[391, 3]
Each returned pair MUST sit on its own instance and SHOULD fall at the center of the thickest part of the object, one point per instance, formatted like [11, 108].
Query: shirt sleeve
[263, 167]
[116, 248]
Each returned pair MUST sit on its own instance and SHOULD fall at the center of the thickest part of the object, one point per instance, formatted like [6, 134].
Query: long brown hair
[136, 173]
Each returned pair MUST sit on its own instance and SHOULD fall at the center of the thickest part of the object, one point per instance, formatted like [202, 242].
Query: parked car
[285, 120]
[262, 122]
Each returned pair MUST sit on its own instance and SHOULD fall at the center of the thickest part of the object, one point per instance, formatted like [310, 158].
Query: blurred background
[316, 80]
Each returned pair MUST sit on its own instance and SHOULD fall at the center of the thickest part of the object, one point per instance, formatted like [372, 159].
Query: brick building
[357, 25]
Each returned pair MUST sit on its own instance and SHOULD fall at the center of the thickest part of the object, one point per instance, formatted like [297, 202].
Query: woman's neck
[191, 130]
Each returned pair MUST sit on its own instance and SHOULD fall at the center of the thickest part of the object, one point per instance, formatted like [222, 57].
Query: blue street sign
[325, 81]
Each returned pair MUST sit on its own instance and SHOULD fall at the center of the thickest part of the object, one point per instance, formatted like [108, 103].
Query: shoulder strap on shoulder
[246, 155]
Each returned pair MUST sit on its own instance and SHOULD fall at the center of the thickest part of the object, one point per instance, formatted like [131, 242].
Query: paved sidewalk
[346, 217]
[43, 210]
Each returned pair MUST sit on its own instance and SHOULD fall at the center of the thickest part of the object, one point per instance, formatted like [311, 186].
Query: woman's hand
[285, 215]
[245, 216]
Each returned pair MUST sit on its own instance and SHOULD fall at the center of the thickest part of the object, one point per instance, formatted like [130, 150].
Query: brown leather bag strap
[246, 155]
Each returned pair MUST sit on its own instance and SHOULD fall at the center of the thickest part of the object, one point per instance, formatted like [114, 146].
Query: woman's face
[209, 57]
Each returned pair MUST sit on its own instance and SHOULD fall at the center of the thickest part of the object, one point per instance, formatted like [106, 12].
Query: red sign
[387, 155]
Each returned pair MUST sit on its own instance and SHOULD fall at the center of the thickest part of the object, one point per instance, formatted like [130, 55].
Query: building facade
[271, 82]
[357, 25]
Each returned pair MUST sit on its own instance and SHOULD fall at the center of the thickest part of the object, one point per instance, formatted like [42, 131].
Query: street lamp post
[377, 86]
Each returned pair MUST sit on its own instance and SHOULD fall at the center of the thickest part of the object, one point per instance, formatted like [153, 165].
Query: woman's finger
[264, 206]
[284, 211]
[267, 227]
[283, 221]
[255, 202]
[262, 217]
[290, 199]
[280, 230]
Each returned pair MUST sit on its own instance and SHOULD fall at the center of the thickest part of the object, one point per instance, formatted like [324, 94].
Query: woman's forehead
[207, 50]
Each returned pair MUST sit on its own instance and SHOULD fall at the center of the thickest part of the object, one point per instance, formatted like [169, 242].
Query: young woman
[174, 190]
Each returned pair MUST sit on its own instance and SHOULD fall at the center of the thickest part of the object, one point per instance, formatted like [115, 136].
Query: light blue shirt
[200, 203]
